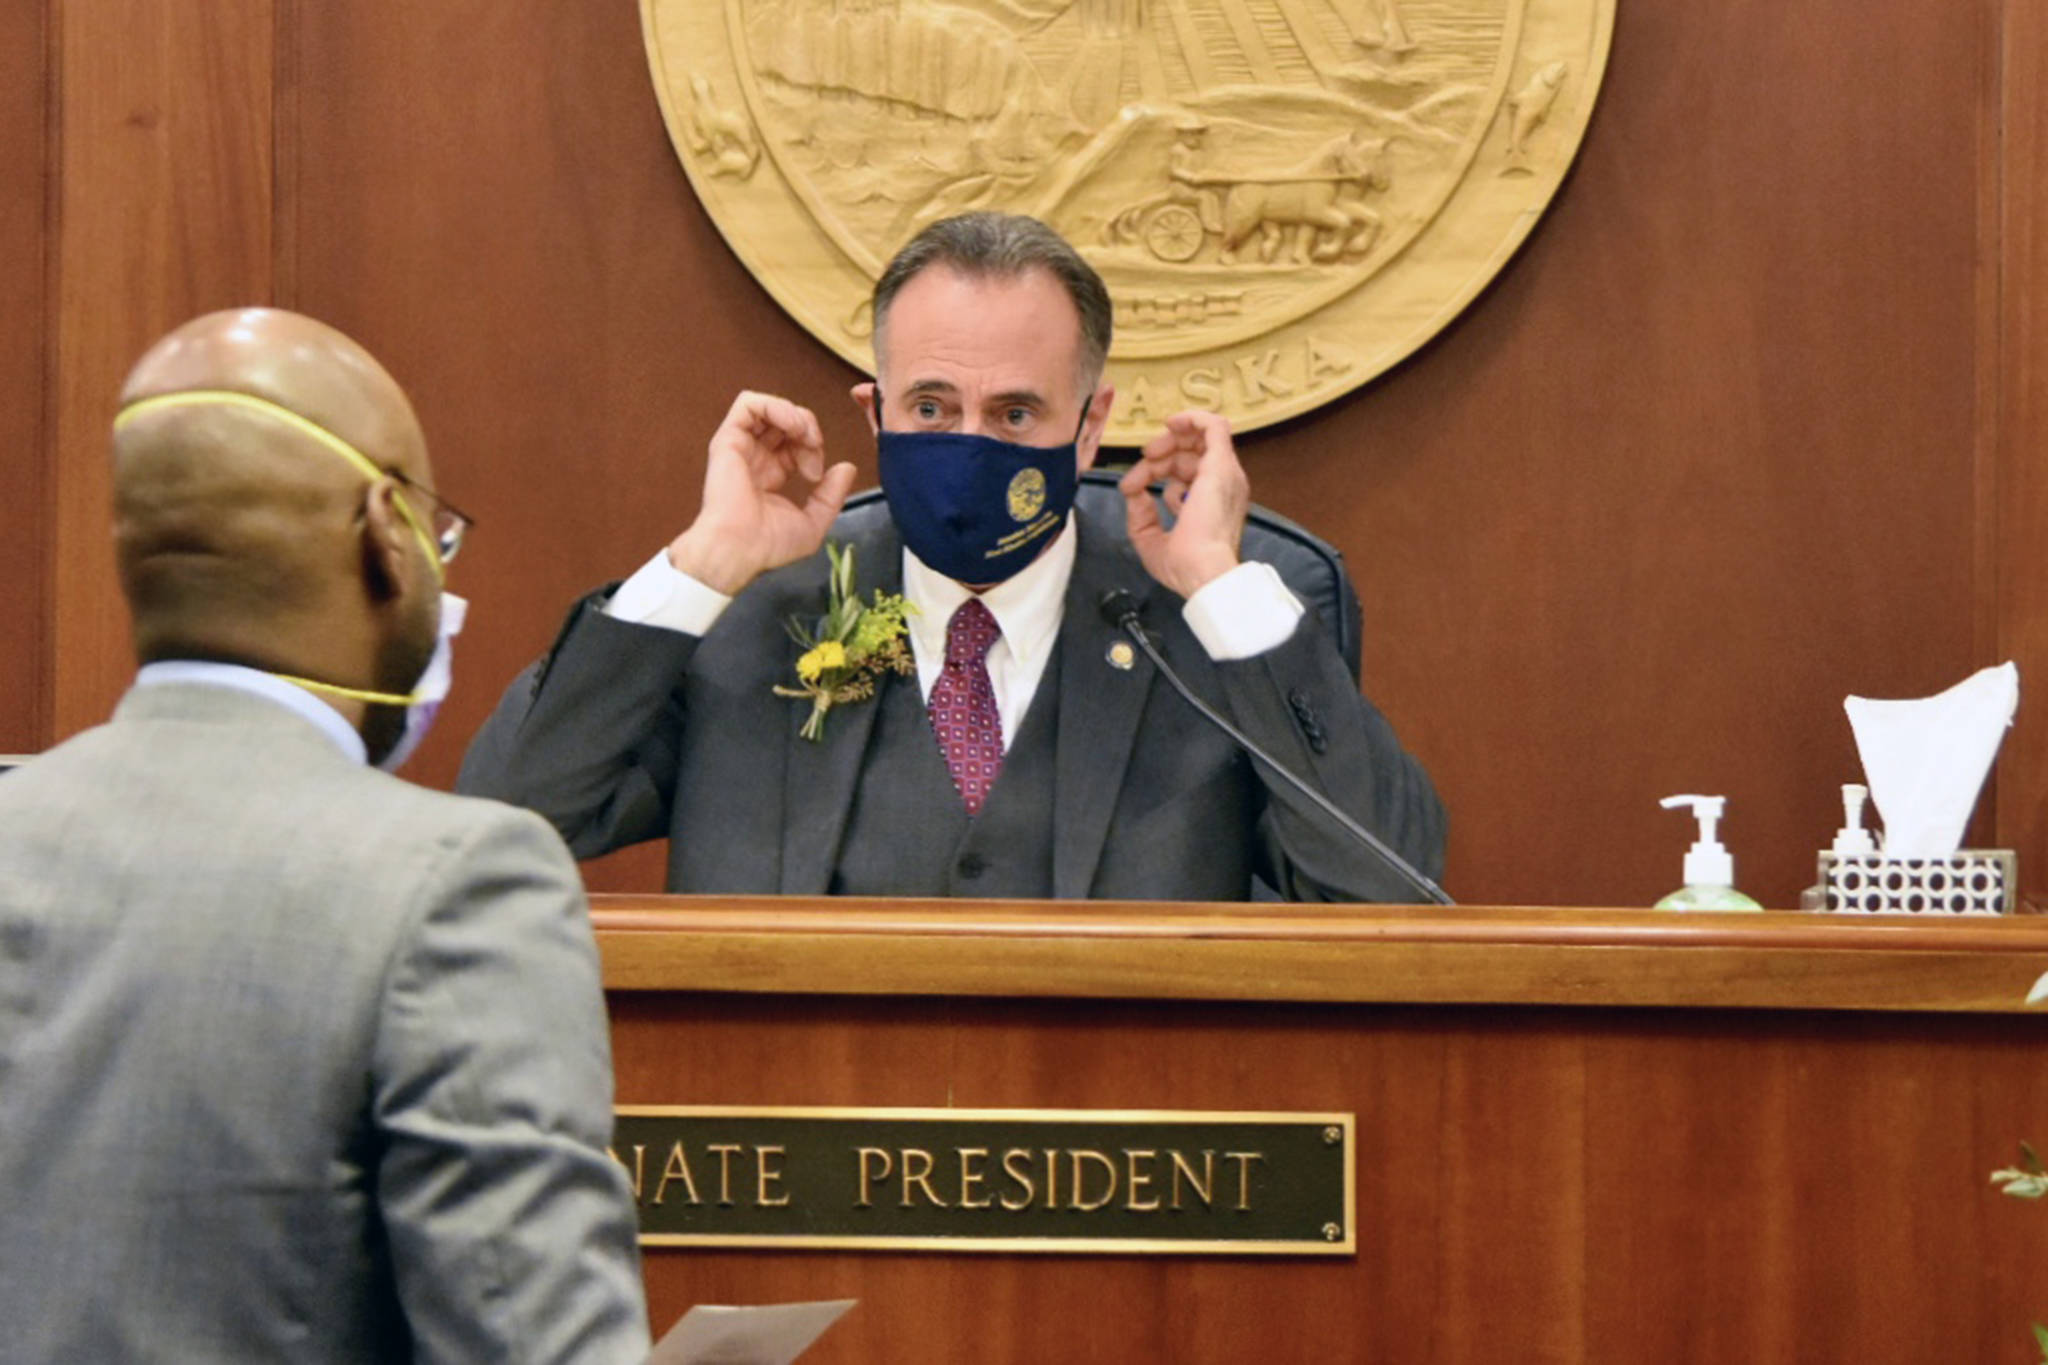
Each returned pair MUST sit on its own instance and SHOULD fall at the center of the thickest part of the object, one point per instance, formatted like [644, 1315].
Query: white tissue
[1926, 760]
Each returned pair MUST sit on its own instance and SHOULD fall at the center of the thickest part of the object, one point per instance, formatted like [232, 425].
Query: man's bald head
[245, 537]
[297, 363]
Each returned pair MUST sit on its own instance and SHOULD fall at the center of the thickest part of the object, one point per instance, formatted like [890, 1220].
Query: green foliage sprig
[2028, 1180]
[852, 645]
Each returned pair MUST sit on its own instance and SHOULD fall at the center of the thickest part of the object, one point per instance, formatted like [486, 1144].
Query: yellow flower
[830, 654]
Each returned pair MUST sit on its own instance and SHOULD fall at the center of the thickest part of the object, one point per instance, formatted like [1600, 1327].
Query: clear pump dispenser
[1709, 866]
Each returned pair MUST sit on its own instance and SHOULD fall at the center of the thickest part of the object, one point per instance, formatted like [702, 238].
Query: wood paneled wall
[161, 202]
[1750, 423]
[24, 466]
[2016, 502]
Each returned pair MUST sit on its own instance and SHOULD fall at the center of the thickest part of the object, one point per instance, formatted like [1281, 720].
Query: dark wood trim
[1987, 451]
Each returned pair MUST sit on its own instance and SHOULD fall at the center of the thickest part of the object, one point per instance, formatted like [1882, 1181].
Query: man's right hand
[768, 496]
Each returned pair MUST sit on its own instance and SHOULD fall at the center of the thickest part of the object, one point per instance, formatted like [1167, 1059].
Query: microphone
[1121, 608]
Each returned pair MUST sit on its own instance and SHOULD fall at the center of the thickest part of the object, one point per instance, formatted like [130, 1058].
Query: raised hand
[1207, 492]
[769, 497]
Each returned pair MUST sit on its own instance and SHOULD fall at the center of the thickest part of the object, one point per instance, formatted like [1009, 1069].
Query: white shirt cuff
[662, 595]
[1243, 613]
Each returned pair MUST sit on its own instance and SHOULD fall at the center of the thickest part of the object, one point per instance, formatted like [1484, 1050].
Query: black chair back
[1310, 566]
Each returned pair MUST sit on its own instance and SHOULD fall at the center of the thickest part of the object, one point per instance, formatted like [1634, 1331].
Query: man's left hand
[1205, 489]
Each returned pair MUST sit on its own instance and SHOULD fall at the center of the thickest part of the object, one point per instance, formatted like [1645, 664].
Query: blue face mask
[974, 508]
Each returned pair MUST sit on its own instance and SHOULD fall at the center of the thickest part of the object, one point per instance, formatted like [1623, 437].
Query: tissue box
[1970, 881]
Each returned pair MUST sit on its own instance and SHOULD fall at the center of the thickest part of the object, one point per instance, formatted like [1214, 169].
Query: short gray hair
[1004, 246]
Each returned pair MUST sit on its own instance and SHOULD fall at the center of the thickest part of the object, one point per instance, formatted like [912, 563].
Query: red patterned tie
[963, 705]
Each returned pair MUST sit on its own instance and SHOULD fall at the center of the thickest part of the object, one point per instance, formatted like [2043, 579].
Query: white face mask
[432, 689]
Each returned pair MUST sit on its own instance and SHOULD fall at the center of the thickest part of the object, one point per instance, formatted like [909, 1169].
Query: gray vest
[908, 833]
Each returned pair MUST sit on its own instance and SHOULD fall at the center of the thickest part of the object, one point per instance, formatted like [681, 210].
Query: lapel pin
[1121, 655]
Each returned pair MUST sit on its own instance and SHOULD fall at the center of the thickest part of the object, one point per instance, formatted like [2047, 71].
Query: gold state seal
[1027, 494]
[1285, 196]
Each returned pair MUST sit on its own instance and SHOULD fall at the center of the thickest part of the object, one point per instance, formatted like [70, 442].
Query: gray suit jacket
[297, 1061]
[627, 732]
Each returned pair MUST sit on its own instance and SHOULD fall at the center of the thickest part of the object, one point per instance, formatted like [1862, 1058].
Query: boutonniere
[852, 645]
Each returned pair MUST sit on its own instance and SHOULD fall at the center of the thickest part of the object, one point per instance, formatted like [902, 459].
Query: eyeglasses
[451, 523]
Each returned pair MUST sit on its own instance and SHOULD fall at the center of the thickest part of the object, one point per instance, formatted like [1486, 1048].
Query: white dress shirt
[290, 696]
[1243, 613]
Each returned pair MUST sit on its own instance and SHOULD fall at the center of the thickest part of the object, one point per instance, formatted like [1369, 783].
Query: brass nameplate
[1059, 1180]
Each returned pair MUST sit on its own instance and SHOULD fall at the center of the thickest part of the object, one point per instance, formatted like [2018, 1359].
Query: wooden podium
[1582, 1135]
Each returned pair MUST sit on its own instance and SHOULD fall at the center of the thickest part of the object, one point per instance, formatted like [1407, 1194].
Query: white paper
[1926, 760]
[773, 1334]
[2039, 991]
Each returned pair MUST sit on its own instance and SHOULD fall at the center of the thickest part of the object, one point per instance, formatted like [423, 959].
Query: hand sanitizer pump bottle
[1852, 840]
[1709, 867]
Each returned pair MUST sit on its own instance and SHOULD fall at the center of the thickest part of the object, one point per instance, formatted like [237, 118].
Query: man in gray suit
[298, 1061]
[1033, 754]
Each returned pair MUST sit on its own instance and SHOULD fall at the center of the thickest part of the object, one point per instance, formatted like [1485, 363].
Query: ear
[1090, 443]
[866, 395]
[391, 553]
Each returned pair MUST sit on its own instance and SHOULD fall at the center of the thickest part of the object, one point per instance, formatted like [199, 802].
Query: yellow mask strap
[311, 430]
[353, 693]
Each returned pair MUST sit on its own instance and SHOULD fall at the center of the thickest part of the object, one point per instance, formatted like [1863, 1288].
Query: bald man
[298, 1061]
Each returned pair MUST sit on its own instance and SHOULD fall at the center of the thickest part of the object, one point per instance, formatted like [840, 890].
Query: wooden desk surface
[1333, 954]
